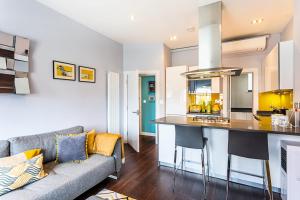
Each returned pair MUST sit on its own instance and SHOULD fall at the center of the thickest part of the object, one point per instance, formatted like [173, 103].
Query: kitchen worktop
[263, 126]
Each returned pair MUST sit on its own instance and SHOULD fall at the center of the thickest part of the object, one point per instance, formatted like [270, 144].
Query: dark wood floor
[142, 179]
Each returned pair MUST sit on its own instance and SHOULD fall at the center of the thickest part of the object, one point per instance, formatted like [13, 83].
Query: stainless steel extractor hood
[210, 45]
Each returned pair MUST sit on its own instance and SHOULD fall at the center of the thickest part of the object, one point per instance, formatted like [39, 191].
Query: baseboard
[148, 134]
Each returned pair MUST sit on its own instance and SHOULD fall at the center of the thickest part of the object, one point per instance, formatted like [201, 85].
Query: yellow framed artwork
[64, 71]
[87, 74]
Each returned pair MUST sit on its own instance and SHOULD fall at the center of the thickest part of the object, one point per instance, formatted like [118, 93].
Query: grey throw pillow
[71, 147]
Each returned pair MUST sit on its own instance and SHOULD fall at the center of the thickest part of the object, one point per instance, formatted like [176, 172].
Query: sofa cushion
[14, 177]
[4, 148]
[40, 190]
[71, 147]
[66, 180]
[14, 160]
[45, 141]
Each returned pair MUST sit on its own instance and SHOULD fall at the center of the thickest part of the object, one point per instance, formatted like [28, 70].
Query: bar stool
[190, 137]
[252, 145]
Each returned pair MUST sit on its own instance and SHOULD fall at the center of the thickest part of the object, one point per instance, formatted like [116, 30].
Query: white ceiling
[157, 20]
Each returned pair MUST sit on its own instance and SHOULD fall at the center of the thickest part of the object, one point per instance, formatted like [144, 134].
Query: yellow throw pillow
[105, 143]
[90, 140]
[19, 158]
[22, 174]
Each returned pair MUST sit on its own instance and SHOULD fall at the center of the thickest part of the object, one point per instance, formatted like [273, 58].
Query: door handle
[136, 112]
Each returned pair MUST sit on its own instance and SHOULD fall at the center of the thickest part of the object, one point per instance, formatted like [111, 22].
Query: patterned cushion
[111, 195]
[14, 160]
[22, 174]
[72, 147]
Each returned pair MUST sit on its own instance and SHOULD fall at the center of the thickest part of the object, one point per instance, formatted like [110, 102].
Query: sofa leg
[115, 176]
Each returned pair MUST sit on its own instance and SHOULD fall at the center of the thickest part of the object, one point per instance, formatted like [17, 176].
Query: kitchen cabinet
[176, 88]
[286, 63]
[216, 82]
[278, 67]
[216, 85]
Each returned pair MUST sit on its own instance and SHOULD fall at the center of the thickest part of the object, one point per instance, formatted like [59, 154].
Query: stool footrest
[191, 161]
[246, 173]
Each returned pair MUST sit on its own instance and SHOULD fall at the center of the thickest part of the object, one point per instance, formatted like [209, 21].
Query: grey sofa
[66, 180]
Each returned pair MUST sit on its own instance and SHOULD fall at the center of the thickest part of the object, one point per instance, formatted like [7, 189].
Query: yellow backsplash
[197, 99]
[277, 99]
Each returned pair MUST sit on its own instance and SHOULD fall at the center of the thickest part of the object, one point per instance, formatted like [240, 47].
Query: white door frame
[155, 73]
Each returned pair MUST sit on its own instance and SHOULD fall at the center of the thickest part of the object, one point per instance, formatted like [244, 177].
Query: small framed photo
[87, 74]
[64, 71]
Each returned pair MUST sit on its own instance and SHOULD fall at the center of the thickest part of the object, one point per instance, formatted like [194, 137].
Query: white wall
[148, 57]
[287, 33]
[186, 56]
[56, 104]
[296, 34]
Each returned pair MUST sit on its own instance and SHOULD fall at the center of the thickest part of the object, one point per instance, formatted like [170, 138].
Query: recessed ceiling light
[257, 21]
[174, 37]
[132, 18]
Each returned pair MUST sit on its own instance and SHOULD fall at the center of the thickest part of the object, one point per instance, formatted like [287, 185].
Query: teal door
[148, 103]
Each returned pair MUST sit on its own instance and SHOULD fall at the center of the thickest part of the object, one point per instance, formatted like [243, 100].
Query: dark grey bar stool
[190, 137]
[252, 145]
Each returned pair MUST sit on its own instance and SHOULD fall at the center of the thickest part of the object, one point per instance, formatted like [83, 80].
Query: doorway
[133, 105]
[242, 96]
[147, 105]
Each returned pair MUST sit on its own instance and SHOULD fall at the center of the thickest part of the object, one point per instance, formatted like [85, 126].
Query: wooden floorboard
[141, 179]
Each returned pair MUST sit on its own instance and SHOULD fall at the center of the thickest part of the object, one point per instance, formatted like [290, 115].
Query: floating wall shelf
[14, 64]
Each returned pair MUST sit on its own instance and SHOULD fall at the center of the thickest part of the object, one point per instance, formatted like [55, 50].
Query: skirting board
[148, 134]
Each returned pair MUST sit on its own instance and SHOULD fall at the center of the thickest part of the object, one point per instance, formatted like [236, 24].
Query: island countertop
[263, 126]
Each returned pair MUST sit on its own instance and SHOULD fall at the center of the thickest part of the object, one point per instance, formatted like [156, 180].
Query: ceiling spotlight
[132, 18]
[257, 21]
[172, 38]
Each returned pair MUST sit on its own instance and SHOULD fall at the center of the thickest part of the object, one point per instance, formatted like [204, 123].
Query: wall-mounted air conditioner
[248, 45]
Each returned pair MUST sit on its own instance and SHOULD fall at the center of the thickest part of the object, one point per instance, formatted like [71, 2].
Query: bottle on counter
[203, 110]
[208, 107]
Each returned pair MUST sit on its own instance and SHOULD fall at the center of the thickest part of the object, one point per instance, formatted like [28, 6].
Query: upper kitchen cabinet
[176, 87]
[216, 82]
[278, 67]
[216, 86]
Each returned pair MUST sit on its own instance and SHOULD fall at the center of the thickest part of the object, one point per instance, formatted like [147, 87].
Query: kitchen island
[217, 134]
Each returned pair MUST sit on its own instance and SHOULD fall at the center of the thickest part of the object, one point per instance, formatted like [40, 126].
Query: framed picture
[64, 71]
[87, 74]
[151, 85]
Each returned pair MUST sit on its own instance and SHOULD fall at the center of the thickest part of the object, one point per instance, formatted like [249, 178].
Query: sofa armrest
[117, 154]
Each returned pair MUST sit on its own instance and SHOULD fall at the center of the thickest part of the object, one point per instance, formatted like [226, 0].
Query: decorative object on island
[87, 74]
[14, 65]
[64, 71]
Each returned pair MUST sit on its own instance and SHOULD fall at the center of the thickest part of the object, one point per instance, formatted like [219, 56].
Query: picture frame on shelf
[64, 71]
[87, 74]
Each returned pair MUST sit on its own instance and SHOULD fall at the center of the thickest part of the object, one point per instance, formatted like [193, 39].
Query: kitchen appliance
[210, 45]
[294, 117]
[290, 173]
[209, 119]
